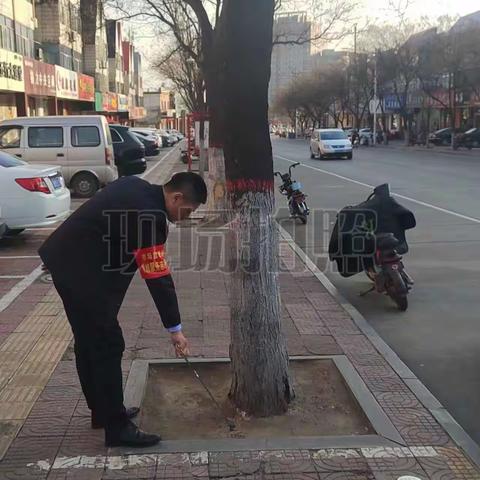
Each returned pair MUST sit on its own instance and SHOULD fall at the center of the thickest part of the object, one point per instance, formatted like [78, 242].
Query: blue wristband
[175, 329]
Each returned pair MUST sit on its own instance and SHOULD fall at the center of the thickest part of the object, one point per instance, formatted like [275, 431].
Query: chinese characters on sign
[11, 71]
[86, 88]
[66, 83]
[39, 78]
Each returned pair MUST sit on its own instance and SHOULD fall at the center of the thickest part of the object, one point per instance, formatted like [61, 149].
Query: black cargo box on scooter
[352, 243]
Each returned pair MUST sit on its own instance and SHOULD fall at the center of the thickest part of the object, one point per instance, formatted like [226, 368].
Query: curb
[429, 401]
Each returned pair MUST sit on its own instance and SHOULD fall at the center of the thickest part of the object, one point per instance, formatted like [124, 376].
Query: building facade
[291, 60]
[53, 63]
[160, 108]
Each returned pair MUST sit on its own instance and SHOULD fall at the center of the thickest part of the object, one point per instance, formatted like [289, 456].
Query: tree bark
[260, 381]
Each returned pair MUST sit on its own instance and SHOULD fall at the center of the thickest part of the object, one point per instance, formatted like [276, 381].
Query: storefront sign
[137, 112]
[112, 102]
[106, 102]
[11, 71]
[122, 103]
[98, 101]
[66, 83]
[39, 78]
[86, 88]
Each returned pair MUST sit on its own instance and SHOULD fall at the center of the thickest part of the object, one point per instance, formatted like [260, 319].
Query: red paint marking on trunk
[249, 185]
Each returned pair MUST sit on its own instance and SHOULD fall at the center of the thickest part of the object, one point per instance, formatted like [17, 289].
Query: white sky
[418, 8]
[375, 9]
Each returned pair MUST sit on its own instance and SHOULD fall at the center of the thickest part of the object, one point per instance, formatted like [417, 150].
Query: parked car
[441, 137]
[168, 139]
[330, 143]
[80, 144]
[31, 195]
[151, 143]
[149, 132]
[129, 151]
[470, 139]
[175, 133]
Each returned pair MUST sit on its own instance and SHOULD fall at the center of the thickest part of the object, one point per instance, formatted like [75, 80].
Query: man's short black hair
[190, 184]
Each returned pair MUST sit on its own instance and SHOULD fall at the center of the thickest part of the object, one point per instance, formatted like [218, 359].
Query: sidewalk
[45, 424]
[445, 150]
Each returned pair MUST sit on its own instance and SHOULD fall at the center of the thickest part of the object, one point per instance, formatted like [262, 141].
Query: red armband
[151, 262]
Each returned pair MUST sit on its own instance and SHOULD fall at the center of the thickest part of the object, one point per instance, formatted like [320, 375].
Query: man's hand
[181, 344]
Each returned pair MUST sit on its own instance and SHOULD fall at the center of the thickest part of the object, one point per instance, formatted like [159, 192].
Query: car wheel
[349, 156]
[84, 185]
[320, 156]
[312, 155]
[445, 142]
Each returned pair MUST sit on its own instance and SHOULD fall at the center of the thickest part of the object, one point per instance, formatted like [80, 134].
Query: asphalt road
[439, 336]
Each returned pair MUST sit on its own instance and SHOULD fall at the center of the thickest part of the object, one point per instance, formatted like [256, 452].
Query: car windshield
[472, 130]
[333, 135]
[10, 161]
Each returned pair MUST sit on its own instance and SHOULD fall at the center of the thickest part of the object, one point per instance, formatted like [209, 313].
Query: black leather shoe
[131, 412]
[130, 436]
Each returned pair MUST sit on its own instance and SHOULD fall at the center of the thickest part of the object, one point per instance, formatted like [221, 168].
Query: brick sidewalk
[52, 435]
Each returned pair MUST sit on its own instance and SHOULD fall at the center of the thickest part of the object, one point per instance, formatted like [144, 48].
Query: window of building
[24, 40]
[85, 136]
[45, 137]
[7, 34]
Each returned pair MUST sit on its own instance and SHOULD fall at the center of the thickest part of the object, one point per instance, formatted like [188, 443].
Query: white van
[80, 144]
[330, 143]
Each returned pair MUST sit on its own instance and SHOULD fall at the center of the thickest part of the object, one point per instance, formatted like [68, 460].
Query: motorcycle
[371, 237]
[296, 198]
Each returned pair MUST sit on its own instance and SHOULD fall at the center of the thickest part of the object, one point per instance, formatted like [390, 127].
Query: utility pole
[355, 83]
[375, 100]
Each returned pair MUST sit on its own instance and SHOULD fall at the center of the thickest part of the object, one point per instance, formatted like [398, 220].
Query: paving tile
[50, 393]
[15, 410]
[346, 476]
[339, 460]
[448, 464]
[76, 474]
[291, 476]
[8, 432]
[89, 445]
[321, 345]
[30, 450]
[226, 464]
[64, 408]
[41, 426]
[417, 426]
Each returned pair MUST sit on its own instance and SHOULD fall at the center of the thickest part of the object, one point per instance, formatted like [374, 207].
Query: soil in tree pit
[177, 407]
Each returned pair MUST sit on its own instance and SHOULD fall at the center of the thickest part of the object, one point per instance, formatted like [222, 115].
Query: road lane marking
[11, 277]
[17, 257]
[404, 197]
[148, 172]
[19, 288]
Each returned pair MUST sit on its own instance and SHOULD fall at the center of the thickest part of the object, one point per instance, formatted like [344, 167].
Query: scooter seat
[387, 241]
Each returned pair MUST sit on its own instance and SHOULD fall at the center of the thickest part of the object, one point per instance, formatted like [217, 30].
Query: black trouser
[99, 346]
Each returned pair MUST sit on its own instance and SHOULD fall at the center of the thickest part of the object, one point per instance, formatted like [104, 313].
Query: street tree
[234, 57]
[449, 69]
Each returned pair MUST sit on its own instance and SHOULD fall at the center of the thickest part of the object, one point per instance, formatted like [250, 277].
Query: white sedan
[31, 195]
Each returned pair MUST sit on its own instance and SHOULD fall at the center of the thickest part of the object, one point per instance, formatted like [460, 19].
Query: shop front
[86, 93]
[66, 82]
[106, 103]
[39, 88]
[12, 85]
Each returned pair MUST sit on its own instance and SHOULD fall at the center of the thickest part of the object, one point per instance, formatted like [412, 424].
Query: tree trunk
[260, 379]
